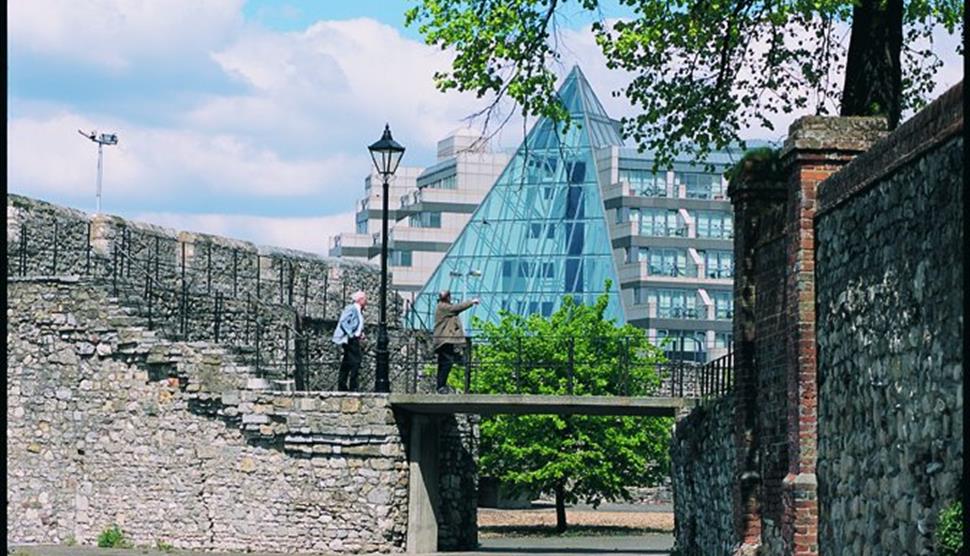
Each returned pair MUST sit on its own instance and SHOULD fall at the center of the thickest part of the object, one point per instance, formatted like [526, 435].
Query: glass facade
[540, 234]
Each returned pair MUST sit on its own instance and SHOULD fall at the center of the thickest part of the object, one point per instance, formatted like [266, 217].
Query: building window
[700, 185]
[425, 220]
[683, 345]
[723, 340]
[723, 305]
[674, 303]
[448, 182]
[362, 226]
[551, 231]
[400, 258]
[548, 270]
[645, 183]
[666, 262]
[547, 308]
[719, 264]
[718, 225]
[535, 230]
[661, 223]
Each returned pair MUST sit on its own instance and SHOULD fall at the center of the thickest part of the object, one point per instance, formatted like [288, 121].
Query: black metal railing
[151, 275]
[269, 326]
[568, 366]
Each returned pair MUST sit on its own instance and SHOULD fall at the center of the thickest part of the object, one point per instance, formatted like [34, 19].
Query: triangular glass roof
[541, 232]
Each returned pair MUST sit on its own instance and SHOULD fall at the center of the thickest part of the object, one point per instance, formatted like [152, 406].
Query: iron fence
[270, 327]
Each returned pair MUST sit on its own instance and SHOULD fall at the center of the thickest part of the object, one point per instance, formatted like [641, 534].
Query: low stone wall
[890, 368]
[109, 423]
[703, 454]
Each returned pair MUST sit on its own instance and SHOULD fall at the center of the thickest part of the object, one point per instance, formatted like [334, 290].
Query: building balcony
[356, 246]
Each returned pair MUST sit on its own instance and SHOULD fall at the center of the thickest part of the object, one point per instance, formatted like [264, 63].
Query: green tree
[577, 457]
[702, 71]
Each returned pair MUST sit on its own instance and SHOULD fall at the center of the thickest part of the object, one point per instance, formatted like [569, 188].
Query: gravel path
[494, 523]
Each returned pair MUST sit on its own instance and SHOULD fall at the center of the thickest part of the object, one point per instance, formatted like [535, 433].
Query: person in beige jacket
[448, 334]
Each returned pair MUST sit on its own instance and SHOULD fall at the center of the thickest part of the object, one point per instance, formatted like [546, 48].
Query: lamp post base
[382, 382]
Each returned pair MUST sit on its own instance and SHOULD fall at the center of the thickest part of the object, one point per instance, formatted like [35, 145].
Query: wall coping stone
[20, 201]
[935, 124]
[832, 134]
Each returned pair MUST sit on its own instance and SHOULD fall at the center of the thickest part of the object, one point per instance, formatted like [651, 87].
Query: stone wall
[890, 302]
[176, 441]
[458, 477]
[107, 423]
[277, 307]
[702, 452]
[848, 330]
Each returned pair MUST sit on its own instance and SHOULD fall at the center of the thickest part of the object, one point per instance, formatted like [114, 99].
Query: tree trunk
[561, 507]
[873, 70]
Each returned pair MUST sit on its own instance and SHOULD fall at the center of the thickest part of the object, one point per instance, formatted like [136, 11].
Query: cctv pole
[100, 158]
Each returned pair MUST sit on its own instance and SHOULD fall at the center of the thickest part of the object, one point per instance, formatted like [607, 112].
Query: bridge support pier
[423, 497]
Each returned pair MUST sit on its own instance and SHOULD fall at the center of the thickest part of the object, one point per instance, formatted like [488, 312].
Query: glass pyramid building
[541, 232]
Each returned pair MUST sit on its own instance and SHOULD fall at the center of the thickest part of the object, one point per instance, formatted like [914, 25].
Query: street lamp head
[386, 154]
[108, 139]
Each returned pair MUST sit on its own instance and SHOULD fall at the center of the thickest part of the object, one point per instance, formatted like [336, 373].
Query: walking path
[651, 544]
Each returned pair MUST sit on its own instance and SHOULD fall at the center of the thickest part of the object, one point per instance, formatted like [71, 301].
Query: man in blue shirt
[349, 333]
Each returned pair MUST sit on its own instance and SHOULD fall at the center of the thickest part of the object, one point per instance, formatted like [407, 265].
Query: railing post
[114, 269]
[280, 262]
[218, 316]
[184, 304]
[235, 272]
[157, 257]
[257, 276]
[148, 294]
[23, 249]
[414, 365]
[208, 268]
[289, 288]
[249, 304]
[258, 373]
[571, 365]
[306, 292]
[286, 351]
[468, 364]
[54, 256]
[87, 251]
[326, 287]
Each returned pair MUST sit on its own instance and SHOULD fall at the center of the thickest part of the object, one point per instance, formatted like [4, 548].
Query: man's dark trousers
[349, 366]
[447, 356]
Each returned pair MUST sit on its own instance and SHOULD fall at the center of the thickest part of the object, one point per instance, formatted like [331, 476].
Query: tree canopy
[579, 457]
[702, 71]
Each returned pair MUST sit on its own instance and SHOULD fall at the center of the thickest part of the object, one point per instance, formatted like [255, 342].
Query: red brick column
[758, 199]
[816, 148]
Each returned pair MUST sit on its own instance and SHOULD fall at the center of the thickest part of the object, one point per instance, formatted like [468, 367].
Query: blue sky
[247, 118]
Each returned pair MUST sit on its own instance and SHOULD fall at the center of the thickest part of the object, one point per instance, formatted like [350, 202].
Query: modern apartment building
[365, 243]
[428, 208]
[576, 213]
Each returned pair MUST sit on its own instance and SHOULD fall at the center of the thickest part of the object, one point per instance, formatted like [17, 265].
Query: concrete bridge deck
[491, 404]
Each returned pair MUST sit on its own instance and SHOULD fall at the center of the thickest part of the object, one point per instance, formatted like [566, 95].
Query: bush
[949, 530]
[112, 538]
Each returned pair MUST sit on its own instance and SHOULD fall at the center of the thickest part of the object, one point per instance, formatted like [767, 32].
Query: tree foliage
[578, 457]
[702, 71]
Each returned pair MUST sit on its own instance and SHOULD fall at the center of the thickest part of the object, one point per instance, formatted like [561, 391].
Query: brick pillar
[816, 147]
[758, 198]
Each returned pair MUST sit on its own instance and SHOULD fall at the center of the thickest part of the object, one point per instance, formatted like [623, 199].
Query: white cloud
[338, 81]
[151, 163]
[311, 234]
[115, 34]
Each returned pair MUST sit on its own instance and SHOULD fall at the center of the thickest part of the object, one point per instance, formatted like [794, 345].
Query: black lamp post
[387, 155]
